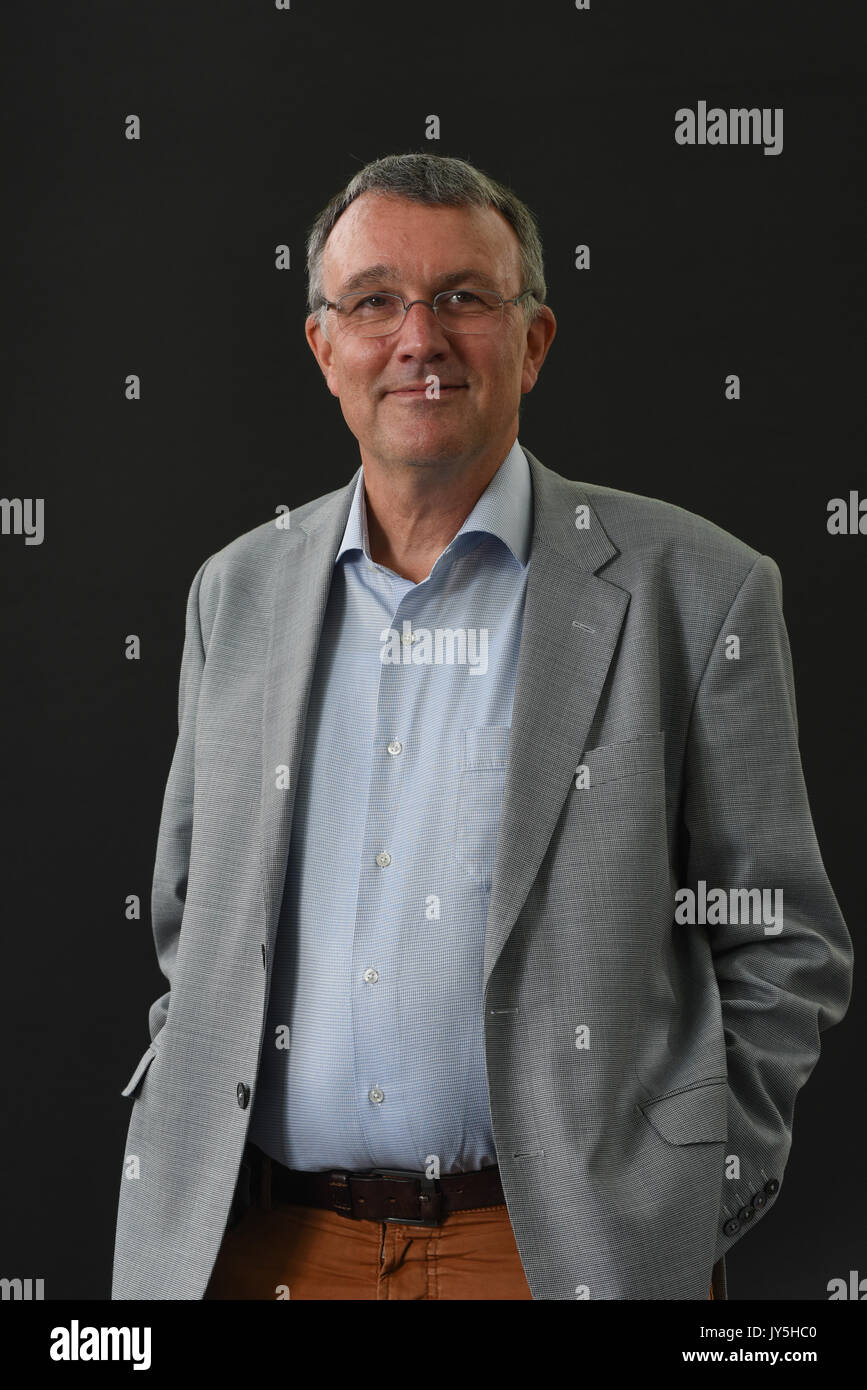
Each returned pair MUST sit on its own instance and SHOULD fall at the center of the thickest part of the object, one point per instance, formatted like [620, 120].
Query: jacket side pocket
[696, 1115]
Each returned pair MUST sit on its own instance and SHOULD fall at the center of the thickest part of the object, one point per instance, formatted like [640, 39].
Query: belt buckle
[428, 1188]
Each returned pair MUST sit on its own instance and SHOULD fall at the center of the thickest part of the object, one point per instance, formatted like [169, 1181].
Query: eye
[371, 301]
[464, 297]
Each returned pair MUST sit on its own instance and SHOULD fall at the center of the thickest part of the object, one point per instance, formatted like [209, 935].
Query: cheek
[503, 360]
[363, 371]
[354, 379]
[497, 372]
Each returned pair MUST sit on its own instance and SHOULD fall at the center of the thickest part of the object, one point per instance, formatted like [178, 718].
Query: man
[485, 856]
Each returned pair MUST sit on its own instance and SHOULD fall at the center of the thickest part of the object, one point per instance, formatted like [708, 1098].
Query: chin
[424, 445]
[428, 453]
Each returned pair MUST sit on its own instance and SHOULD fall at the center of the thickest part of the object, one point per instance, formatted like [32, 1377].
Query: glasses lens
[371, 314]
[469, 311]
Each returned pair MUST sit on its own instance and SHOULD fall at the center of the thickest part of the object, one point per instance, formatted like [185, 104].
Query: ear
[322, 350]
[540, 335]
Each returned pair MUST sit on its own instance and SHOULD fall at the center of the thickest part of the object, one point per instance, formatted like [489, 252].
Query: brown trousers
[295, 1252]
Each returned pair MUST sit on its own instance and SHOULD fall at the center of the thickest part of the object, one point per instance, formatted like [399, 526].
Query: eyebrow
[379, 274]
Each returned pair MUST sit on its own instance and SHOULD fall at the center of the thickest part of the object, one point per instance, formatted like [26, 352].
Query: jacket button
[746, 1214]
[242, 1091]
[759, 1201]
[731, 1227]
[772, 1187]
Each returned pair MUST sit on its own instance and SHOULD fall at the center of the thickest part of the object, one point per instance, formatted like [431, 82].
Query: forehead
[421, 241]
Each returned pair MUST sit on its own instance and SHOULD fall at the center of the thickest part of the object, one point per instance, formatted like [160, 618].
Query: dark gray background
[157, 257]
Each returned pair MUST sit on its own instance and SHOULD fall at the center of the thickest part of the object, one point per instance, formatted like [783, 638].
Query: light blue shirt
[377, 970]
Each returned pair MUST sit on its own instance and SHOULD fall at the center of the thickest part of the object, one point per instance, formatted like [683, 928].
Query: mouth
[411, 391]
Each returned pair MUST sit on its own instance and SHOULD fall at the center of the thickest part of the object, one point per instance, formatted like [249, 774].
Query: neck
[414, 511]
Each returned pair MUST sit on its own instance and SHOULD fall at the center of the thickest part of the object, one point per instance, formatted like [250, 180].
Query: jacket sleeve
[171, 869]
[748, 818]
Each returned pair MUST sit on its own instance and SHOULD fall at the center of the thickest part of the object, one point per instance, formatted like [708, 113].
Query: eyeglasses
[375, 314]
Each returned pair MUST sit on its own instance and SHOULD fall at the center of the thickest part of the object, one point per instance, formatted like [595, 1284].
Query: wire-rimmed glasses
[377, 313]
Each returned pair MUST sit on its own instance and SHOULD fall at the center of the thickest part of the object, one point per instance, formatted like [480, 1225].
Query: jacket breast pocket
[481, 783]
[141, 1067]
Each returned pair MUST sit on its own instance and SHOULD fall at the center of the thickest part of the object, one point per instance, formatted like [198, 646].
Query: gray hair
[431, 178]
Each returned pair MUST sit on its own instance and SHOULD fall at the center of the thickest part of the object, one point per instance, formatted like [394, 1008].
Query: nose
[421, 334]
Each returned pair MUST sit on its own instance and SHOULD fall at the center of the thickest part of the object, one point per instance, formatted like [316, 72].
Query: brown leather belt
[382, 1194]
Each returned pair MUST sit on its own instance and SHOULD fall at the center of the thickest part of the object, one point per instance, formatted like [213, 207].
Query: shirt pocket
[484, 754]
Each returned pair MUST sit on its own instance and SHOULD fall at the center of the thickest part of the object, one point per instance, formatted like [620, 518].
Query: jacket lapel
[301, 587]
[572, 622]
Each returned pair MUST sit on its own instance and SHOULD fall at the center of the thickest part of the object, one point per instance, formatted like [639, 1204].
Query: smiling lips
[421, 390]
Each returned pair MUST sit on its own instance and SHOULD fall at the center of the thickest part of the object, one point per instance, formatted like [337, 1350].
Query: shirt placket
[378, 925]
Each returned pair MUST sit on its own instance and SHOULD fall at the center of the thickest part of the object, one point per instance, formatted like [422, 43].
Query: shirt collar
[503, 510]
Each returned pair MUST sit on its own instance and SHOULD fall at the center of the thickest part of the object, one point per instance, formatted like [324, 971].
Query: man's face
[381, 381]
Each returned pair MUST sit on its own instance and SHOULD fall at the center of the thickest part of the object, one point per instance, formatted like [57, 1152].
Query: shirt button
[395, 747]
[371, 975]
[377, 1095]
[383, 859]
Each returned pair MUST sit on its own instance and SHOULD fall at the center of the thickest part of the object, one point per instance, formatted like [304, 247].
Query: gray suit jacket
[631, 1165]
